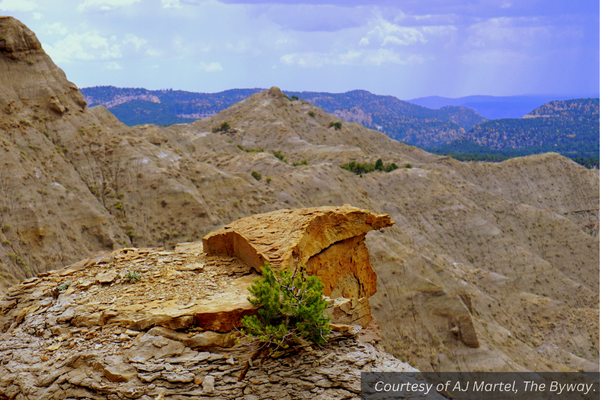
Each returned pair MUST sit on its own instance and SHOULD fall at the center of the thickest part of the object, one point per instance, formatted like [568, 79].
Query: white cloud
[210, 67]
[363, 42]
[507, 32]
[37, 15]
[55, 28]
[153, 53]
[388, 33]
[353, 57]
[18, 5]
[317, 60]
[113, 65]
[171, 3]
[386, 56]
[104, 5]
[136, 41]
[83, 47]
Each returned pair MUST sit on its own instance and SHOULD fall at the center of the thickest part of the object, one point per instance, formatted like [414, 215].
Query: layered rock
[328, 240]
[150, 323]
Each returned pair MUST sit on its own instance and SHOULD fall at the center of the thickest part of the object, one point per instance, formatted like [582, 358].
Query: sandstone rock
[117, 370]
[107, 277]
[208, 384]
[328, 240]
[349, 311]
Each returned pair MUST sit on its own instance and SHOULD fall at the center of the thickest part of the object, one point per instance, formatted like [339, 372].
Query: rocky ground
[93, 331]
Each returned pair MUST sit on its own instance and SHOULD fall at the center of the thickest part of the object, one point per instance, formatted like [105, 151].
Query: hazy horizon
[419, 49]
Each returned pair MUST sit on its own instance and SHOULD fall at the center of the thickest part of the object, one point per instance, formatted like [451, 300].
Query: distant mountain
[400, 120]
[491, 107]
[137, 106]
[403, 121]
[569, 127]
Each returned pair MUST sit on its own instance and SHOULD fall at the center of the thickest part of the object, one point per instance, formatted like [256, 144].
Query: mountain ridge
[492, 107]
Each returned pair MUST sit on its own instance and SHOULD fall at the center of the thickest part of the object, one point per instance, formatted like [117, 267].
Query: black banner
[480, 385]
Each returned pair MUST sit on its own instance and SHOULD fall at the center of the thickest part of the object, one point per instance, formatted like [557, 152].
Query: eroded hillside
[488, 267]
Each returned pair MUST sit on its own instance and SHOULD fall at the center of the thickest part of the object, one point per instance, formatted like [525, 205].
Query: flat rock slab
[328, 240]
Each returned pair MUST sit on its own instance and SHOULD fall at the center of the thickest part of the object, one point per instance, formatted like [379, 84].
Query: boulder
[329, 241]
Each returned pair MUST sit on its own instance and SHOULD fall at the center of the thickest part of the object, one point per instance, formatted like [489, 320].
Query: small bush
[5, 228]
[248, 150]
[294, 97]
[133, 276]
[63, 286]
[337, 125]
[365, 168]
[256, 175]
[303, 162]
[280, 156]
[312, 113]
[268, 180]
[291, 309]
[407, 165]
[223, 128]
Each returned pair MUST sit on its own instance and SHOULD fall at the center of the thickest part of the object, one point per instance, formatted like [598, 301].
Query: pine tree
[291, 309]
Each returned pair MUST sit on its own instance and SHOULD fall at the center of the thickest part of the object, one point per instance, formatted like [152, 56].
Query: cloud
[91, 6]
[37, 15]
[177, 3]
[314, 18]
[84, 47]
[113, 65]
[18, 5]
[386, 33]
[171, 3]
[55, 28]
[136, 41]
[352, 57]
[506, 31]
[210, 67]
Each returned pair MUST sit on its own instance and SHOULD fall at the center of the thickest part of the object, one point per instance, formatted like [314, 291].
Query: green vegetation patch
[248, 150]
[224, 127]
[365, 168]
[256, 175]
[280, 156]
[291, 310]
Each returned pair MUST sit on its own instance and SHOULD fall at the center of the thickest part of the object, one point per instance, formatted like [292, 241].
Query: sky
[408, 48]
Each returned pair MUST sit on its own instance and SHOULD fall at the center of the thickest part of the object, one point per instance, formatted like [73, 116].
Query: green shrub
[291, 309]
[365, 168]
[280, 156]
[256, 175]
[303, 162]
[248, 150]
[133, 276]
[5, 228]
[223, 128]
[63, 286]
[294, 97]
[337, 125]
[407, 165]
[312, 113]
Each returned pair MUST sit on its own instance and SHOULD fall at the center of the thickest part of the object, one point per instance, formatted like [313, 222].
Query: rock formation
[92, 330]
[329, 241]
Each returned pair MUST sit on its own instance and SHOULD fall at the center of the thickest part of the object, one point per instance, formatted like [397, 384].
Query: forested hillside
[568, 127]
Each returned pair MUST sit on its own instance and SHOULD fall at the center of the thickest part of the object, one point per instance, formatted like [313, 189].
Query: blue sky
[407, 49]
